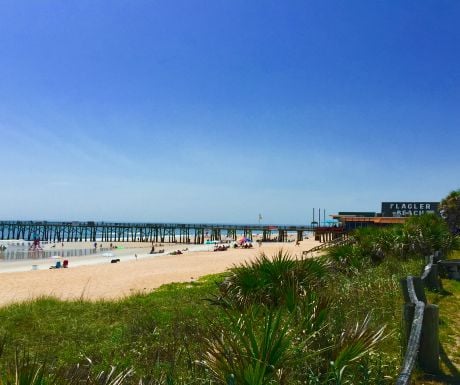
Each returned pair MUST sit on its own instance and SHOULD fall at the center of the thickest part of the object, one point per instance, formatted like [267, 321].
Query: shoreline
[91, 256]
[107, 281]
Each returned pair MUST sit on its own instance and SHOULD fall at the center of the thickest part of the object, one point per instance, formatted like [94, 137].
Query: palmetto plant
[383, 244]
[346, 258]
[277, 321]
[403, 242]
[420, 236]
[280, 280]
[370, 246]
[352, 344]
[427, 234]
[249, 348]
[263, 346]
[84, 375]
[24, 370]
[28, 370]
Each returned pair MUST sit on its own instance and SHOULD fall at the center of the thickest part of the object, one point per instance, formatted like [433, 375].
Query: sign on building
[407, 209]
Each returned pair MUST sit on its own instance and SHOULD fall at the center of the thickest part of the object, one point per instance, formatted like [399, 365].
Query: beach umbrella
[110, 255]
[55, 256]
[244, 240]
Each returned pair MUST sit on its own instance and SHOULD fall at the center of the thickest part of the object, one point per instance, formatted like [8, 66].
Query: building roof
[376, 220]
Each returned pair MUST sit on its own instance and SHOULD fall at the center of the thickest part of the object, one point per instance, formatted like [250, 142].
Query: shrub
[420, 236]
[280, 280]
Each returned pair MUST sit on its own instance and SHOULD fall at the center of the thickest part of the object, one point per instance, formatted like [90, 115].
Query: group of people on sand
[245, 245]
[178, 252]
[152, 250]
[221, 247]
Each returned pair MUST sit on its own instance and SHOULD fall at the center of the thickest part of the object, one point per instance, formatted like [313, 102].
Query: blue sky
[214, 111]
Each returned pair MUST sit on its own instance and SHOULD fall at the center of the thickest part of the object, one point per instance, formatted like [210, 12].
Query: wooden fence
[421, 322]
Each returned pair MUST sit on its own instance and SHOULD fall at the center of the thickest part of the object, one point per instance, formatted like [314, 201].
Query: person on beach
[135, 256]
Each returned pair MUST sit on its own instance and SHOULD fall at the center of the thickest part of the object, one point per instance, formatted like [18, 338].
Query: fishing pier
[155, 232]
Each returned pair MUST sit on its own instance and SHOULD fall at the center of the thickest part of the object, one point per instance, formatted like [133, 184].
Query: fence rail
[421, 320]
[414, 338]
[343, 240]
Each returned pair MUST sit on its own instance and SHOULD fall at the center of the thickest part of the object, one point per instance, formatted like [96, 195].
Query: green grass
[142, 331]
[375, 291]
[449, 334]
[449, 329]
[161, 335]
[166, 331]
[450, 321]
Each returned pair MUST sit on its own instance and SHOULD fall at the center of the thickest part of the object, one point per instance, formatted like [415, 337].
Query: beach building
[391, 213]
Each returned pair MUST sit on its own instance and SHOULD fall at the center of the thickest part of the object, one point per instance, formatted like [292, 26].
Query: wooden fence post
[432, 280]
[428, 356]
[421, 323]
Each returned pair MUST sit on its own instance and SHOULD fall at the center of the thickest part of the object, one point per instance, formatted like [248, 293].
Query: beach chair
[65, 263]
[58, 265]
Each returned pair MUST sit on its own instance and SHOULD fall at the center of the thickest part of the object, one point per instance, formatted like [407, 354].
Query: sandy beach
[93, 277]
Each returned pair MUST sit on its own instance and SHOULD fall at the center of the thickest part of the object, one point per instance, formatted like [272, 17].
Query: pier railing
[421, 322]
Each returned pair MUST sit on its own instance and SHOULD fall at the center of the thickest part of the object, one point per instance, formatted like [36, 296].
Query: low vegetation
[332, 320]
[449, 328]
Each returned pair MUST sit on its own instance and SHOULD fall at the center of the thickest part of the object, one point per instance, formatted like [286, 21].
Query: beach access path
[90, 280]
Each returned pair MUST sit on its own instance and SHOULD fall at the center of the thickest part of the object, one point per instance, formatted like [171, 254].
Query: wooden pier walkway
[152, 232]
